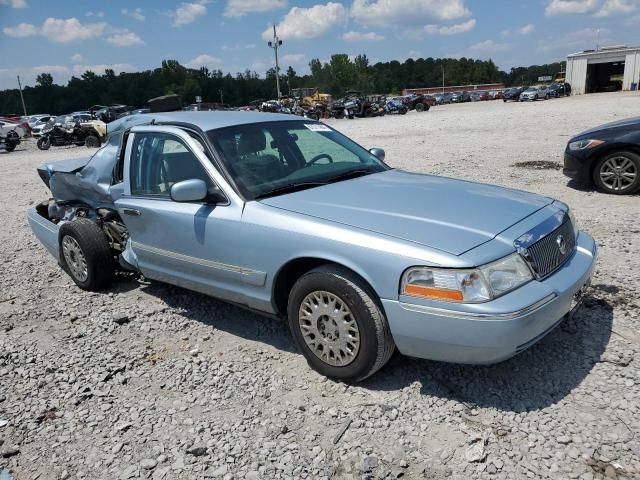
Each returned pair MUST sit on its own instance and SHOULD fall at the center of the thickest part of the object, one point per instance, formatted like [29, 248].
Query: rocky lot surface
[151, 381]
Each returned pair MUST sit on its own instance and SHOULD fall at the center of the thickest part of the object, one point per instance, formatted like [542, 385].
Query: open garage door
[605, 76]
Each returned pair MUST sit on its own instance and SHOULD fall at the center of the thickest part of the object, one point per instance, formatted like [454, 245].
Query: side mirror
[378, 153]
[194, 190]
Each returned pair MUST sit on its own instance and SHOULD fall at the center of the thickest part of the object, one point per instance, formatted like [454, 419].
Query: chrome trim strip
[34, 219]
[542, 230]
[252, 277]
[441, 312]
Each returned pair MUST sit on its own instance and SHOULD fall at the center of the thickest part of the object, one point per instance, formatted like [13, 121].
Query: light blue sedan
[288, 217]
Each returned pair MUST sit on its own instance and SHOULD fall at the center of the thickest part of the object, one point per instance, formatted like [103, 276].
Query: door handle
[131, 211]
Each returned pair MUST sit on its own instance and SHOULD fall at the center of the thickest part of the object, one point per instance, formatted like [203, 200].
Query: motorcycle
[395, 107]
[68, 133]
[9, 139]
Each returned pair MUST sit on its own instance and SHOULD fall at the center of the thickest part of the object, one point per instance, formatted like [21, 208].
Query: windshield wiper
[350, 174]
[289, 188]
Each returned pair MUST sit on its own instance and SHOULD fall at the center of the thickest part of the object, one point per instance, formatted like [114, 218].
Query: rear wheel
[9, 147]
[44, 143]
[618, 173]
[337, 322]
[419, 107]
[85, 254]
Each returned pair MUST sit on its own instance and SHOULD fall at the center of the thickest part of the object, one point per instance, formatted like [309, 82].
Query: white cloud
[599, 8]
[293, 58]
[407, 12]
[259, 66]
[71, 30]
[310, 22]
[239, 8]
[527, 29]
[22, 30]
[124, 38]
[452, 29]
[489, 47]
[362, 37]
[136, 14]
[565, 7]
[577, 40]
[77, 58]
[187, 13]
[613, 7]
[204, 60]
[14, 3]
[95, 14]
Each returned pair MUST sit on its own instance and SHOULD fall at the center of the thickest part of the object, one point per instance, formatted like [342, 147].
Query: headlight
[585, 144]
[467, 286]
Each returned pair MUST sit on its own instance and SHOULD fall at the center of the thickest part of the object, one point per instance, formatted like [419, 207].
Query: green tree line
[336, 76]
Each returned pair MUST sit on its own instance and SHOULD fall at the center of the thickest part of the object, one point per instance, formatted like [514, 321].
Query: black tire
[376, 343]
[93, 245]
[92, 141]
[403, 110]
[600, 166]
[9, 147]
[546, 97]
[419, 107]
[44, 143]
[368, 113]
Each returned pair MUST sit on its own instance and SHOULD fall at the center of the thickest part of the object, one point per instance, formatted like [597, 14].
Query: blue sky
[68, 37]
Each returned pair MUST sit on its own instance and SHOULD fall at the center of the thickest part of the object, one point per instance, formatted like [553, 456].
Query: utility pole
[598, 40]
[442, 65]
[275, 44]
[24, 109]
[221, 97]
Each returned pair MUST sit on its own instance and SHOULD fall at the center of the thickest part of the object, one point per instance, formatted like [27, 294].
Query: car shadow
[224, 316]
[582, 187]
[538, 377]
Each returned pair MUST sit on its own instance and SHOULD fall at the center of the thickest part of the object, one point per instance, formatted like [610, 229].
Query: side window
[312, 144]
[160, 160]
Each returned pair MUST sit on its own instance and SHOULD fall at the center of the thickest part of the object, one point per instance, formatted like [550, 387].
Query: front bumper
[493, 331]
[577, 167]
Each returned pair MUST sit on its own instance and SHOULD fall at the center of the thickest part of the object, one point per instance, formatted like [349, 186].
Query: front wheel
[92, 141]
[618, 173]
[9, 147]
[44, 143]
[338, 324]
[85, 254]
[419, 107]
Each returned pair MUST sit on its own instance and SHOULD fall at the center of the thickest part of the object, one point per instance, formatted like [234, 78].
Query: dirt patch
[538, 165]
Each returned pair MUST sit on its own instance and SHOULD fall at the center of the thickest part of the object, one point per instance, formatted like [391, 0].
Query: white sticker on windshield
[317, 127]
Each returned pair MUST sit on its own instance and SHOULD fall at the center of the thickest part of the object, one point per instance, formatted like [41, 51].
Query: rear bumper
[45, 231]
[577, 168]
[496, 330]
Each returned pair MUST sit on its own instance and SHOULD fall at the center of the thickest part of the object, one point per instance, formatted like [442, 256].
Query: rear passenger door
[190, 244]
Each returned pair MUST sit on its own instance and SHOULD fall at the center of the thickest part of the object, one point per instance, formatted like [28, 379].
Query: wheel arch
[293, 269]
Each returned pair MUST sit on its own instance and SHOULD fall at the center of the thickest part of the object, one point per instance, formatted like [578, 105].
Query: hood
[453, 216]
[624, 123]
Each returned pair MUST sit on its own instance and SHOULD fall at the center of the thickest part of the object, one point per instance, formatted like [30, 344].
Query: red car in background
[484, 96]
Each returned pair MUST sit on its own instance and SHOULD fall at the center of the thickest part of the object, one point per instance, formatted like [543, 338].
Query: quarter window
[160, 160]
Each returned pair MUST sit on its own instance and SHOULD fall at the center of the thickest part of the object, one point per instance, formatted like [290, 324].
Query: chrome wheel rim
[618, 173]
[74, 258]
[329, 328]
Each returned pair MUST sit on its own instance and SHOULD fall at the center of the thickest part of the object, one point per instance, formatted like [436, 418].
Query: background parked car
[460, 97]
[559, 90]
[607, 157]
[512, 94]
[534, 93]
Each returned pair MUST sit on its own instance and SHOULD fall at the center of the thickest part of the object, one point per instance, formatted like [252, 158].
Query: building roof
[603, 51]
[204, 120]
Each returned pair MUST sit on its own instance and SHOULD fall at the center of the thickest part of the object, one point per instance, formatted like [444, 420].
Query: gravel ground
[151, 381]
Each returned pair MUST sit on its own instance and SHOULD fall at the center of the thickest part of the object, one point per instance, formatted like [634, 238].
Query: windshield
[273, 157]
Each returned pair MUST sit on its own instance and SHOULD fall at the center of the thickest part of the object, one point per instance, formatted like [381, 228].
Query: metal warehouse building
[605, 69]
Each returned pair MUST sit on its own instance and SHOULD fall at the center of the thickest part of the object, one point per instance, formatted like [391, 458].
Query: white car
[7, 125]
[33, 120]
[535, 93]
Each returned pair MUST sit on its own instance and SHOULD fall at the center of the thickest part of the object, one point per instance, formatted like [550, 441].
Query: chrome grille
[551, 251]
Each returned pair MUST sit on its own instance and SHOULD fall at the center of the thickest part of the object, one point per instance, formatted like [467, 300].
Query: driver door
[190, 244]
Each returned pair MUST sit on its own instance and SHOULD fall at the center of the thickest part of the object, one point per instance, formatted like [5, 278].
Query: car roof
[209, 120]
